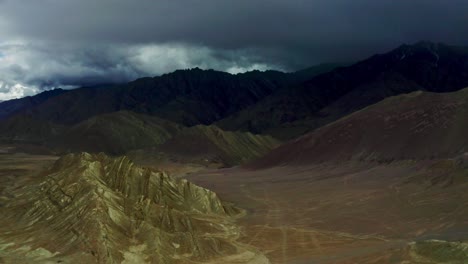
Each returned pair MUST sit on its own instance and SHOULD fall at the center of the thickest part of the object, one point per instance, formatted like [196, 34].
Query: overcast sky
[69, 43]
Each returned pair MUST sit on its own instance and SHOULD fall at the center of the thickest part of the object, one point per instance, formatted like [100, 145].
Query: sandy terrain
[17, 168]
[347, 213]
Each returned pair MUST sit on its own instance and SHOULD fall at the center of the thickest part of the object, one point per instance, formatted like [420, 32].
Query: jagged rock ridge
[94, 209]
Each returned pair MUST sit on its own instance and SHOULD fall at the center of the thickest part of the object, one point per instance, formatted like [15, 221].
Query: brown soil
[345, 213]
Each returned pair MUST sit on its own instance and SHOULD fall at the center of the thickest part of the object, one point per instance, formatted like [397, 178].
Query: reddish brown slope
[418, 125]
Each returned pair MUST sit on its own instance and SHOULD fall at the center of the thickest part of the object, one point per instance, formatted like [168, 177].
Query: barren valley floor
[325, 213]
[346, 213]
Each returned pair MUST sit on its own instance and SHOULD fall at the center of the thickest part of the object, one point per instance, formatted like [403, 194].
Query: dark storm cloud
[86, 41]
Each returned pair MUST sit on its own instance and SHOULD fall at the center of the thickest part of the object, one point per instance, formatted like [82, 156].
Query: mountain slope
[115, 133]
[419, 125]
[327, 97]
[185, 96]
[93, 209]
[123, 132]
[24, 128]
[188, 97]
[209, 144]
[10, 107]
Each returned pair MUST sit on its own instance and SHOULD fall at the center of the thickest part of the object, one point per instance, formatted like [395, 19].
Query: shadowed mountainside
[187, 97]
[419, 125]
[119, 118]
[23, 128]
[123, 132]
[93, 209]
[115, 133]
[325, 98]
[209, 144]
[155, 138]
[11, 107]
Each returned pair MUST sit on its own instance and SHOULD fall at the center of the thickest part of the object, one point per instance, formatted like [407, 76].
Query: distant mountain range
[149, 112]
[188, 97]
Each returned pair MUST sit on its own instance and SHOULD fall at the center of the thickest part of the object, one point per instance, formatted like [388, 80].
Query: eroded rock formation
[95, 209]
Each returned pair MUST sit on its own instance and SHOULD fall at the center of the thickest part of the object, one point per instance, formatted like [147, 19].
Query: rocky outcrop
[95, 209]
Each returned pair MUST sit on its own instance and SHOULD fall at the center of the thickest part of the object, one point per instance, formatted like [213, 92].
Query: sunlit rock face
[95, 209]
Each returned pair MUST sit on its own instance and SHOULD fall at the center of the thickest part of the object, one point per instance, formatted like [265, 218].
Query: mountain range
[291, 112]
[146, 112]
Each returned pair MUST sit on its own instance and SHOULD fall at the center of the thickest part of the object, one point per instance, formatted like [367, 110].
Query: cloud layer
[49, 43]
[26, 69]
